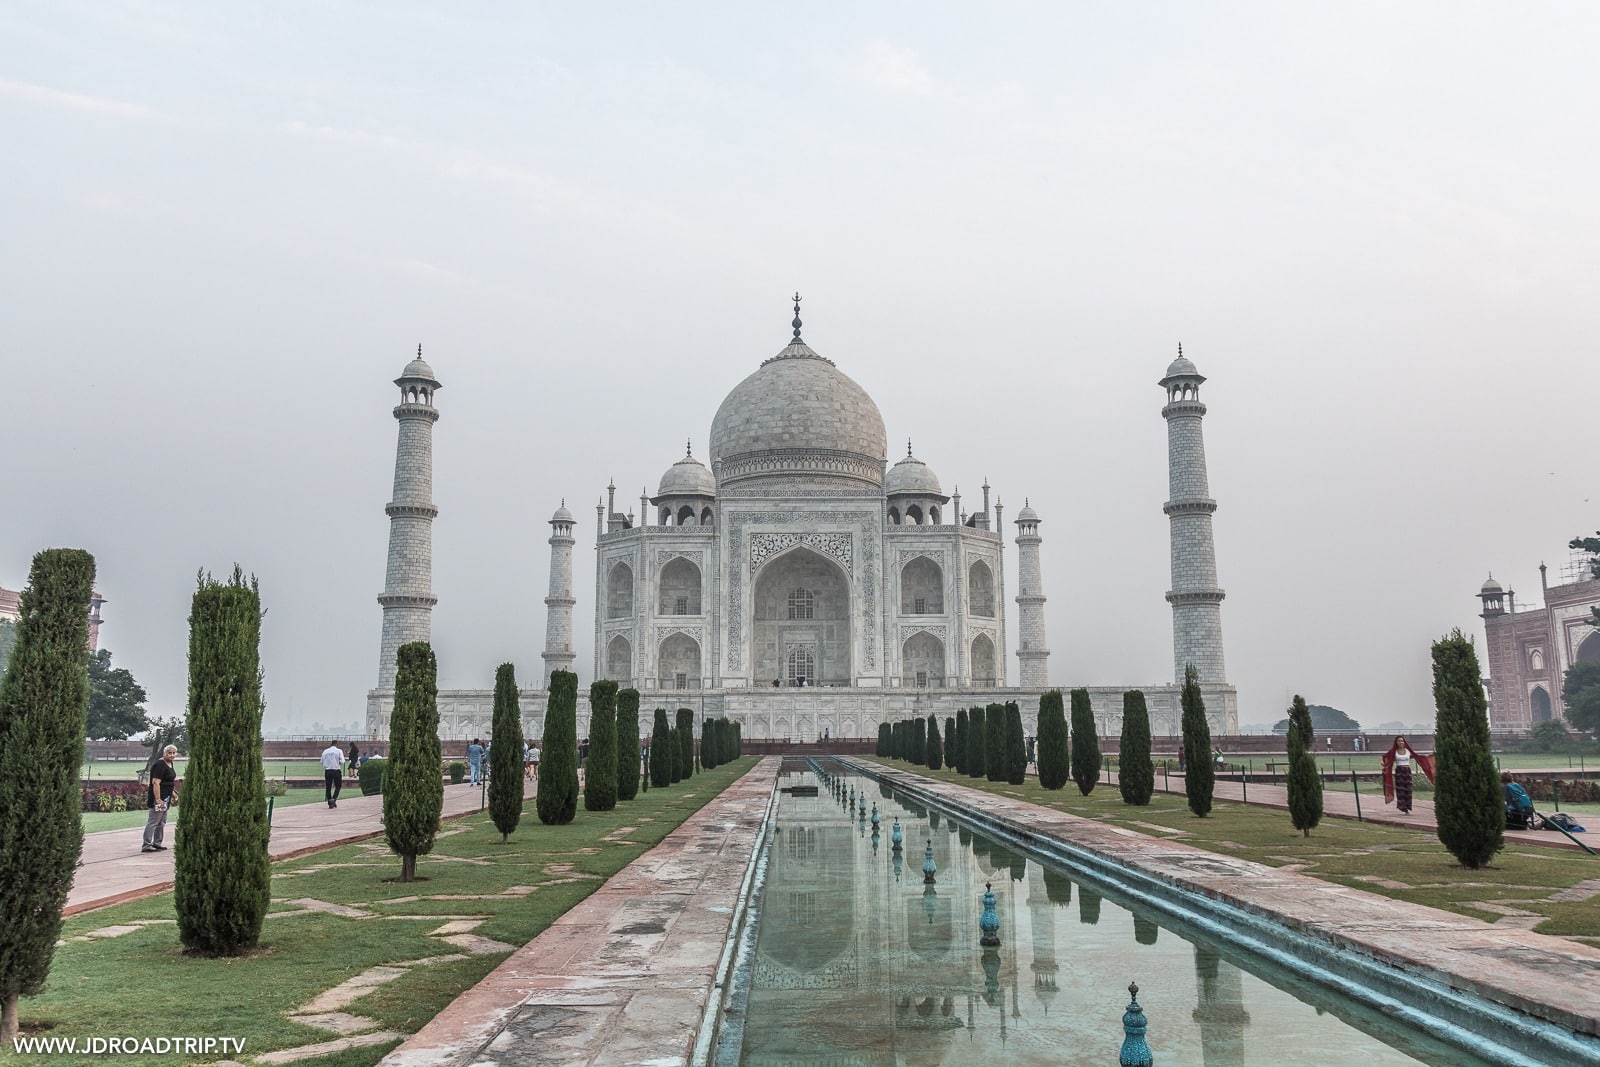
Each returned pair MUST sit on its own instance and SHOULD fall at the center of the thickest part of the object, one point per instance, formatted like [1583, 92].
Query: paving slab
[625, 976]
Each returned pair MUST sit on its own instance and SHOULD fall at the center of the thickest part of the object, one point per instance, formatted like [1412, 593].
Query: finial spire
[908, 448]
[688, 448]
[796, 322]
[1180, 349]
[419, 350]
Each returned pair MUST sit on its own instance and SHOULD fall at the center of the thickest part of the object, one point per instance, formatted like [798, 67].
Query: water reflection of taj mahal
[801, 584]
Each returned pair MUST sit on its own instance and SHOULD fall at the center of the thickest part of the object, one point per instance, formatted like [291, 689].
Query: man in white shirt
[332, 772]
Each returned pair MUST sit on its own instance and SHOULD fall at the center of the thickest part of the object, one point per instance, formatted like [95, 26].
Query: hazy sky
[225, 228]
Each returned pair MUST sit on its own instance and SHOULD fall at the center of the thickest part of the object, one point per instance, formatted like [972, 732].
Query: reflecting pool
[857, 961]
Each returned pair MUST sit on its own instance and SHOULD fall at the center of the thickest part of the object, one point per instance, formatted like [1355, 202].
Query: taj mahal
[802, 584]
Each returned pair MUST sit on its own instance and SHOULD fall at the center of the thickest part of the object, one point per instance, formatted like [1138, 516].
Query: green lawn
[1390, 860]
[1372, 762]
[128, 770]
[143, 984]
[95, 821]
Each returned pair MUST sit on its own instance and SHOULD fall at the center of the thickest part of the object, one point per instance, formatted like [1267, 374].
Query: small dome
[911, 475]
[687, 477]
[417, 370]
[1027, 514]
[1492, 586]
[1181, 366]
[562, 514]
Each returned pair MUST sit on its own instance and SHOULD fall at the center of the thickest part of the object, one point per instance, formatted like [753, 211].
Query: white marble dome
[911, 475]
[798, 420]
[687, 477]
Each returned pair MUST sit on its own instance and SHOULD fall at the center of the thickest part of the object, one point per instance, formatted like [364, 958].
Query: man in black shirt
[163, 780]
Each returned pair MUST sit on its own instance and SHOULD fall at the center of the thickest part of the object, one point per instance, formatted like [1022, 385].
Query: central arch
[679, 658]
[801, 616]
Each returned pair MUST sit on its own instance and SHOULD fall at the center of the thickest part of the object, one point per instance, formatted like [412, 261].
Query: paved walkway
[1343, 804]
[114, 870]
[625, 976]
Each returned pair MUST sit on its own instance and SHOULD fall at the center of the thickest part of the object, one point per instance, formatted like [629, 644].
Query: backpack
[1561, 820]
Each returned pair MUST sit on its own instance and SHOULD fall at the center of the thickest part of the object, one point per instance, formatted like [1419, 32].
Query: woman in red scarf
[1397, 763]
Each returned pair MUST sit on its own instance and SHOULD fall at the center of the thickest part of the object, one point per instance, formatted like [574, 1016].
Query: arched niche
[983, 672]
[705, 516]
[680, 588]
[1589, 650]
[1539, 704]
[619, 592]
[922, 587]
[980, 589]
[1536, 659]
[913, 515]
[679, 662]
[686, 515]
[619, 660]
[801, 602]
[922, 660]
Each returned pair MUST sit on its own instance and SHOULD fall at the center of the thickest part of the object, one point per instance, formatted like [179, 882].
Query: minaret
[1196, 600]
[1033, 651]
[558, 654]
[408, 598]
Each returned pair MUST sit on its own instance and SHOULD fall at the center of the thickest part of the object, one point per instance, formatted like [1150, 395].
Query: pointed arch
[922, 587]
[619, 660]
[980, 589]
[679, 659]
[983, 666]
[680, 588]
[619, 591]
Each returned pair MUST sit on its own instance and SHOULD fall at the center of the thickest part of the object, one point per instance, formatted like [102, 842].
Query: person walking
[1397, 764]
[163, 784]
[355, 761]
[475, 760]
[332, 773]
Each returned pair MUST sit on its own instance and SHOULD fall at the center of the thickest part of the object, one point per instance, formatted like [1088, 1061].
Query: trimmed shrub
[919, 741]
[1085, 743]
[44, 699]
[1136, 772]
[221, 878]
[977, 745]
[1054, 762]
[708, 747]
[1016, 746]
[661, 751]
[457, 772]
[1305, 784]
[1199, 777]
[951, 742]
[413, 792]
[600, 774]
[505, 753]
[955, 751]
[883, 740]
[994, 742]
[935, 749]
[557, 799]
[1467, 801]
[685, 742]
[628, 744]
[371, 775]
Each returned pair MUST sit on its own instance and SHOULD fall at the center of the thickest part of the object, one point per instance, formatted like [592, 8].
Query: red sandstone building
[11, 609]
[1529, 650]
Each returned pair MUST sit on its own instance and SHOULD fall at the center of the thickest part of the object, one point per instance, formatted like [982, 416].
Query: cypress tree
[738, 740]
[708, 749]
[43, 701]
[1467, 800]
[661, 751]
[1305, 785]
[956, 750]
[558, 763]
[505, 753]
[686, 743]
[1199, 778]
[628, 744]
[1016, 747]
[413, 789]
[1136, 775]
[1085, 743]
[919, 741]
[994, 742]
[935, 748]
[977, 745]
[883, 740]
[1053, 760]
[951, 743]
[220, 870]
[600, 772]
